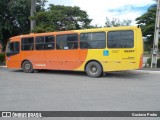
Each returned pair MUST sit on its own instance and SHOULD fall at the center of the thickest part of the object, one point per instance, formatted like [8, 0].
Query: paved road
[72, 91]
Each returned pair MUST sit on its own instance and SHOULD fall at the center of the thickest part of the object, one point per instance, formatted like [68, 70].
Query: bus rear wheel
[27, 67]
[94, 69]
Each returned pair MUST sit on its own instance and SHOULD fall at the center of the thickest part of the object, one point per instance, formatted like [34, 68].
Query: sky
[98, 10]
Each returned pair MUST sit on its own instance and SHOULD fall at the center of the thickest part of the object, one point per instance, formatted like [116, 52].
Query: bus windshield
[12, 48]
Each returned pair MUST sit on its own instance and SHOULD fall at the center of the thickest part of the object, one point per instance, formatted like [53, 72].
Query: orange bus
[91, 50]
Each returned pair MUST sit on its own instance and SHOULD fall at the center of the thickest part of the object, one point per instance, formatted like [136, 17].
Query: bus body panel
[118, 59]
[110, 59]
[39, 63]
[62, 59]
[13, 62]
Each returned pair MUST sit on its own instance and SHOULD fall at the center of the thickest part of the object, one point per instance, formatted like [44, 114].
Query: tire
[94, 69]
[27, 67]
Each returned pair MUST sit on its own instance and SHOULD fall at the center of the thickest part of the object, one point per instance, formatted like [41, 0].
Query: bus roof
[75, 31]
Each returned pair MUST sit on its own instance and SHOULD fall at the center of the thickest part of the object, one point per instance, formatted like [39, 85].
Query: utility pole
[156, 37]
[32, 12]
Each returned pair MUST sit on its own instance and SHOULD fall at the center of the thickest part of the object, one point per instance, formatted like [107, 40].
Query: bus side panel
[13, 61]
[65, 59]
[115, 66]
[122, 58]
[111, 62]
[39, 59]
[116, 59]
[92, 55]
[25, 55]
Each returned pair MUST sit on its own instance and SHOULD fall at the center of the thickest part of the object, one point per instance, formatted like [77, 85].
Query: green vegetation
[14, 18]
[116, 22]
[158, 63]
[59, 17]
[147, 22]
[147, 52]
[149, 62]
[2, 57]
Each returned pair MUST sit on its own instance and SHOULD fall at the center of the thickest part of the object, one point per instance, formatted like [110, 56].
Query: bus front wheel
[27, 67]
[94, 69]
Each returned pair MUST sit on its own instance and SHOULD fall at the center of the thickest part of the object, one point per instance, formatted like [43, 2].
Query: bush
[149, 62]
[158, 63]
[2, 57]
[146, 53]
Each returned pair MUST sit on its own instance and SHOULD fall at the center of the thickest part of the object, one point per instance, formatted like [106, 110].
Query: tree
[147, 22]
[32, 12]
[14, 18]
[115, 22]
[36, 5]
[59, 17]
[40, 5]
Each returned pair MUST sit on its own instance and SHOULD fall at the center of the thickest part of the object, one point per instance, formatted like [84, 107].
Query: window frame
[28, 44]
[68, 42]
[120, 47]
[45, 42]
[93, 40]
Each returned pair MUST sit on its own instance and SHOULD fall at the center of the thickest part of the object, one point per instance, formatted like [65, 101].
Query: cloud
[60, 2]
[98, 10]
[128, 12]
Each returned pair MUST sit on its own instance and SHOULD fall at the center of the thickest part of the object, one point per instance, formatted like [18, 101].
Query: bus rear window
[120, 39]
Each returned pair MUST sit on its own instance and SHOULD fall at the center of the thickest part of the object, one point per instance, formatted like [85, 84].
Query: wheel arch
[92, 61]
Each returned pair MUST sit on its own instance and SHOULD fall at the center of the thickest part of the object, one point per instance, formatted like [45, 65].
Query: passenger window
[27, 44]
[96, 40]
[44, 42]
[120, 39]
[67, 42]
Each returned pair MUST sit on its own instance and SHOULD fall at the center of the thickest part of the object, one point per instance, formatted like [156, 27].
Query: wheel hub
[93, 69]
[27, 66]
